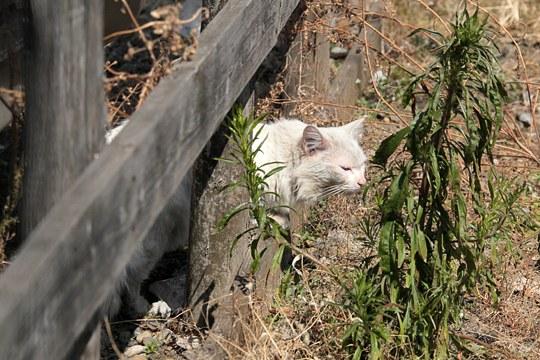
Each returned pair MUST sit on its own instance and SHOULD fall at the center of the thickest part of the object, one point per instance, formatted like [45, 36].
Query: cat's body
[319, 162]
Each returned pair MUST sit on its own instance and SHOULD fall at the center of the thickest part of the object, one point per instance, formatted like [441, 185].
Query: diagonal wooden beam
[73, 257]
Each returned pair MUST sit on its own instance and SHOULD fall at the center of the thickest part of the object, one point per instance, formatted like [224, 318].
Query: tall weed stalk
[430, 250]
[244, 131]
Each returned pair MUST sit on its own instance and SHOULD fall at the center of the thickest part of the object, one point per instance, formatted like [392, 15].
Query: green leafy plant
[430, 251]
[151, 348]
[244, 131]
[368, 305]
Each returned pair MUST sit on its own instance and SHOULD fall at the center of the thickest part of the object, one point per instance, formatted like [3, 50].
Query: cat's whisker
[332, 190]
[328, 191]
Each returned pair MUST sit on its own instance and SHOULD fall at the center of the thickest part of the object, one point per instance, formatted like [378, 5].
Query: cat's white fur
[319, 162]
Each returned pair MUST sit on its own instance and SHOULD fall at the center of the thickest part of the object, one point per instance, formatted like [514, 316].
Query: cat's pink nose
[361, 182]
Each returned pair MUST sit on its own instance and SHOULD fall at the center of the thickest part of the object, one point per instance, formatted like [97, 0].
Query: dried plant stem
[153, 24]
[373, 81]
[149, 45]
[111, 337]
[434, 13]
[504, 352]
[361, 41]
[332, 104]
[522, 65]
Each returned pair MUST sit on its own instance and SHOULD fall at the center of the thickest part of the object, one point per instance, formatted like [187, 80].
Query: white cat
[319, 162]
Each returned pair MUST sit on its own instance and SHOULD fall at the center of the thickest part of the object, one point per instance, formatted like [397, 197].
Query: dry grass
[304, 322]
[509, 330]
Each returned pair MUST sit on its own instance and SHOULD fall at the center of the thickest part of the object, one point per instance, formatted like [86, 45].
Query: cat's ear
[355, 128]
[312, 140]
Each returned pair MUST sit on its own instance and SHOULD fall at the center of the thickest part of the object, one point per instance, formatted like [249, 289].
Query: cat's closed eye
[346, 168]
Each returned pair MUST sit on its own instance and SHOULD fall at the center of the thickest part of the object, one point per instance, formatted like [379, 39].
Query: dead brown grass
[510, 329]
[304, 321]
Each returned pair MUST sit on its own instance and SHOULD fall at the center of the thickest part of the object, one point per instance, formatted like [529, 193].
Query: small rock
[195, 342]
[134, 350]
[172, 291]
[190, 355]
[145, 334]
[137, 331]
[184, 343]
[338, 52]
[149, 340]
[525, 119]
[379, 77]
[529, 288]
[152, 325]
[165, 335]
[306, 338]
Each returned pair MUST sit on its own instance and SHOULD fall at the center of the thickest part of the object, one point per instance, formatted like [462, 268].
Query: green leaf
[422, 247]
[276, 261]
[396, 195]
[273, 171]
[432, 32]
[231, 186]
[226, 160]
[237, 238]
[389, 145]
[230, 214]
[400, 247]
[384, 246]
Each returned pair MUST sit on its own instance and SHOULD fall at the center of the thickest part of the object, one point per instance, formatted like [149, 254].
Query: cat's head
[332, 163]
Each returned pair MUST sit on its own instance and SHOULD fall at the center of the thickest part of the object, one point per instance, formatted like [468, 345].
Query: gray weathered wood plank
[65, 110]
[72, 258]
[64, 128]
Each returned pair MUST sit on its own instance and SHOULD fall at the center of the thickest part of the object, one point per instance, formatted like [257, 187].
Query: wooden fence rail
[69, 262]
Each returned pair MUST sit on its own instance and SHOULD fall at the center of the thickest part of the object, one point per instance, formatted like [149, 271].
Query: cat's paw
[160, 309]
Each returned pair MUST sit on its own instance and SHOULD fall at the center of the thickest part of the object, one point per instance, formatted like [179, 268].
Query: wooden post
[373, 40]
[219, 283]
[65, 110]
[308, 71]
[354, 75]
[308, 74]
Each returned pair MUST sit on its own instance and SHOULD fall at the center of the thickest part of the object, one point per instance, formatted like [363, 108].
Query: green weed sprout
[243, 135]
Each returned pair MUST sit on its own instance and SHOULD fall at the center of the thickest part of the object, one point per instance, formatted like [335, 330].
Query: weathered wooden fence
[87, 220]
[71, 257]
